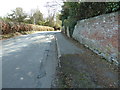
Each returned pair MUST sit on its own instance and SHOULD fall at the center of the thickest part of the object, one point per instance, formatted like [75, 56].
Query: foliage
[42, 28]
[17, 15]
[34, 18]
[74, 11]
[19, 21]
[37, 16]
[58, 22]
[11, 27]
[111, 7]
[52, 22]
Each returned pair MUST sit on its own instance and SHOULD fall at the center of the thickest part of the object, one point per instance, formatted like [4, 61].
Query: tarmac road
[29, 61]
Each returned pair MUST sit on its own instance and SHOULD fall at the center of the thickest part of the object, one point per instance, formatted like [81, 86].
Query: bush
[11, 27]
[42, 28]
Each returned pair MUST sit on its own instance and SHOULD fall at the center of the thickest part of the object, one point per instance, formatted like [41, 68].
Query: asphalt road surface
[29, 61]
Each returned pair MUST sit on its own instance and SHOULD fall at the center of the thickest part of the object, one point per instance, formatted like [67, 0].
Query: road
[29, 61]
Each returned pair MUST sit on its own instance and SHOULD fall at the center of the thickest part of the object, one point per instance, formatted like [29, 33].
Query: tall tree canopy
[17, 15]
[74, 11]
[37, 16]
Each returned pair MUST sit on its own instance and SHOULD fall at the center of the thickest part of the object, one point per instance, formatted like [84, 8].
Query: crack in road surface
[29, 61]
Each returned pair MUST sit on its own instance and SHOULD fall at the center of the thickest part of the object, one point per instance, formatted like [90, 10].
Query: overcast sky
[7, 5]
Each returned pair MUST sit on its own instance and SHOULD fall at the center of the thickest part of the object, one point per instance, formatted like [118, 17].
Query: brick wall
[100, 34]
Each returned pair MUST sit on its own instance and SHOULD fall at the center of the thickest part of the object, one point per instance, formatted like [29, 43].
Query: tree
[74, 11]
[37, 16]
[17, 15]
[58, 22]
[1, 18]
[53, 8]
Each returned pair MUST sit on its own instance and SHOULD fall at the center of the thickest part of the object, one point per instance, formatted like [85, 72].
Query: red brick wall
[100, 34]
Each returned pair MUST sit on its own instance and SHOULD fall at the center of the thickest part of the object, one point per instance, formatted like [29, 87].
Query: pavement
[29, 61]
[64, 46]
[79, 67]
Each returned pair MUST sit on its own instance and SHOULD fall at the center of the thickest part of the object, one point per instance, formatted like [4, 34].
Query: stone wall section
[100, 34]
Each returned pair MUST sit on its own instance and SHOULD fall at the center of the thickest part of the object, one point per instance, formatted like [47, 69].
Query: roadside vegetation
[75, 11]
[18, 22]
[11, 29]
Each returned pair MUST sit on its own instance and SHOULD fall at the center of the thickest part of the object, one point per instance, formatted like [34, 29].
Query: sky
[6, 6]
